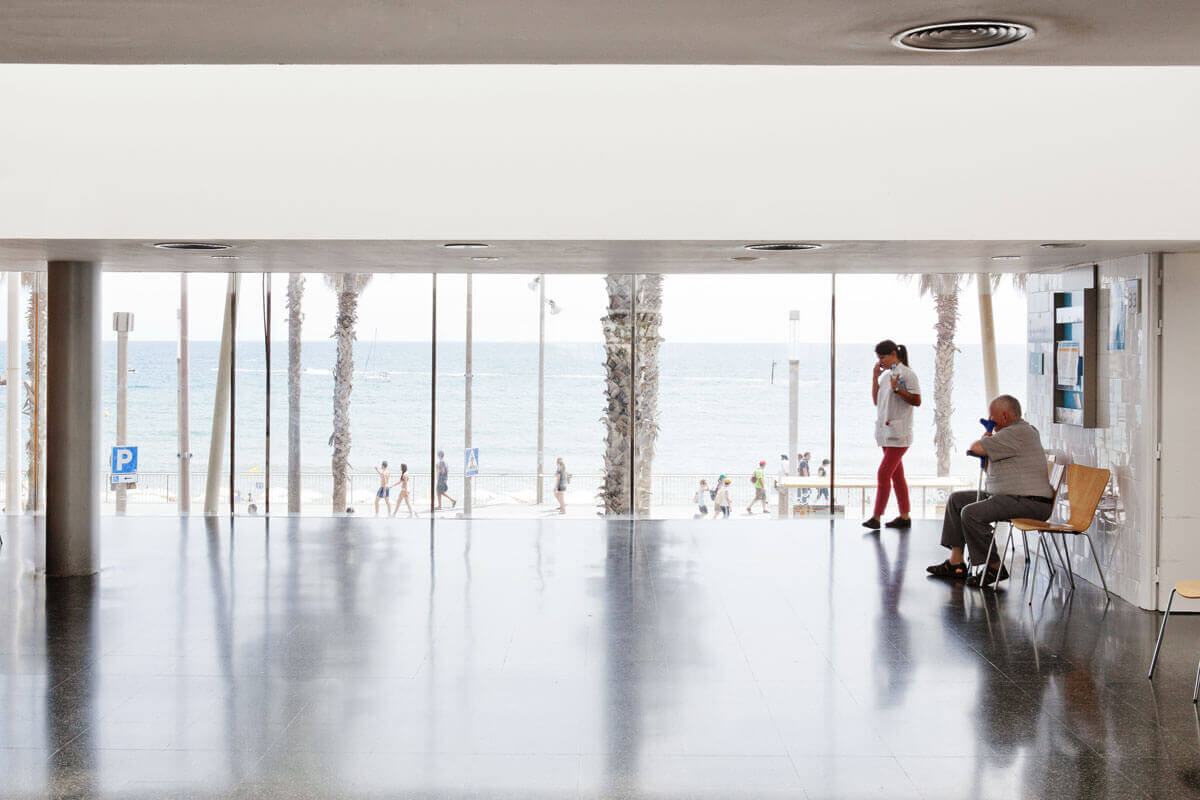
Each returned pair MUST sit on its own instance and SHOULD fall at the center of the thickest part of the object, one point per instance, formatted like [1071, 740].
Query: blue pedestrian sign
[472, 465]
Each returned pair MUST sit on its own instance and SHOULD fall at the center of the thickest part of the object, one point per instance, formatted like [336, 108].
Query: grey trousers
[969, 522]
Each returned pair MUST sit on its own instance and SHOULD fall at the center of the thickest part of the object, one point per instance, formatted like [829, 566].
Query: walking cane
[989, 425]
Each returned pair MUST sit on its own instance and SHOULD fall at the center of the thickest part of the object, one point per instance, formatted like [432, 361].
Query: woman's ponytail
[902, 354]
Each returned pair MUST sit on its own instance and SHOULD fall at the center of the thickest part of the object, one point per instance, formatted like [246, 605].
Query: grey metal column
[73, 418]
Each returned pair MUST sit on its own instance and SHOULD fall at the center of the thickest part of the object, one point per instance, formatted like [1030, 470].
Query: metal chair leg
[1024, 543]
[1033, 581]
[1064, 560]
[1196, 690]
[1096, 560]
[1161, 630]
[1046, 555]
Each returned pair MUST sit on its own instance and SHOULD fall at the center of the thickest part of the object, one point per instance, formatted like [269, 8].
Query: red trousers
[891, 471]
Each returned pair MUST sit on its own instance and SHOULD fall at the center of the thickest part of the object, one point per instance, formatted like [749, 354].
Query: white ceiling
[572, 256]
[1119, 32]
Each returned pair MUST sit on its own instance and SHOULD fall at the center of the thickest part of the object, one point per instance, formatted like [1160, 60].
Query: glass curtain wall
[937, 318]
[741, 391]
[527, 379]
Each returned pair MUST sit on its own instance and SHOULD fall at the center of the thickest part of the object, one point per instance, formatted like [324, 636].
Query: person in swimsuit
[384, 491]
[403, 484]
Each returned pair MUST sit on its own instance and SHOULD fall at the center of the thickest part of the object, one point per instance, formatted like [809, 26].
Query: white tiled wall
[1124, 438]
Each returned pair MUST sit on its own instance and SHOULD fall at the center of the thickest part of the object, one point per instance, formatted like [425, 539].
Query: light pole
[467, 481]
[785, 505]
[122, 324]
[539, 283]
[182, 365]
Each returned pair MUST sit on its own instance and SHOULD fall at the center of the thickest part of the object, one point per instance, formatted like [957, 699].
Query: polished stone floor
[565, 658]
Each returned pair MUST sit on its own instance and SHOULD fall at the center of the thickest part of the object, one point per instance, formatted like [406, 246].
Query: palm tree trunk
[347, 286]
[35, 390]
[624, 383]
[946, 300]
[295, 294]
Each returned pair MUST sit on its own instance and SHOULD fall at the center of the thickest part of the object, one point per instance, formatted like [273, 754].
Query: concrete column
[73, 418]
[12, 439]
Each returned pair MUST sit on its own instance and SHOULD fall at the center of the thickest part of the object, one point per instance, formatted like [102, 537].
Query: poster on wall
[1123, 300]
[1068, 360]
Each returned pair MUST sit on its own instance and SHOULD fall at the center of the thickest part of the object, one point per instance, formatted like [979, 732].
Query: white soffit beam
[599, 153]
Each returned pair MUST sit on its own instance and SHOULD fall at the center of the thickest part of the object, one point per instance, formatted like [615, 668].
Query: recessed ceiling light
[744, 258]
[1006, 258]
[775, 246]
[192, 246]
[225, 258]
[1062, 245]
[465, 245]
[957, 37]
[485, 258]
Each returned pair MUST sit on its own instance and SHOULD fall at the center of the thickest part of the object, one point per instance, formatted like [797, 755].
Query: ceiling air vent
[775, 246]
[955, 37]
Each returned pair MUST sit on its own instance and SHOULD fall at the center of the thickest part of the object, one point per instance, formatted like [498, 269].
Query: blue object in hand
[990, 426]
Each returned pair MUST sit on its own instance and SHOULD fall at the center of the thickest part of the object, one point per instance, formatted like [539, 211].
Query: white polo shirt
[894, 417]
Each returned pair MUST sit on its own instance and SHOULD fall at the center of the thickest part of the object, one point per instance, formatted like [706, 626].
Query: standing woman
[895, 392]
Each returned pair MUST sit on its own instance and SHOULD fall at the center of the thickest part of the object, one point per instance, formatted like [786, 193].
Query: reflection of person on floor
[384, 492]
[561, 476]
[759, 480]
[402, 482]
[1017, 486]
[443, 481]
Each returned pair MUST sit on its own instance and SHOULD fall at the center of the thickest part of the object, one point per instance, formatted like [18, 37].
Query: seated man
[1017, 486]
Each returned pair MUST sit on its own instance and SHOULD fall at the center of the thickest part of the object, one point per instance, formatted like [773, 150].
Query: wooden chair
[1190, 590]
[1085, 487]
[1056, 473]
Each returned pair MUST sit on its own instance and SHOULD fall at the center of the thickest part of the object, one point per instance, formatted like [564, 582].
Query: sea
[723, 407]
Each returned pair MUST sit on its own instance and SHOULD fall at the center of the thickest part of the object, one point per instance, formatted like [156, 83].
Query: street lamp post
[539, 283]
[785, 505]
[122, 324]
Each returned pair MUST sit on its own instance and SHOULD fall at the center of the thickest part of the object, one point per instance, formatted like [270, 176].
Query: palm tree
[945, 289]
[624, 383]
[295, 293]
[347, 286]
[35, 388]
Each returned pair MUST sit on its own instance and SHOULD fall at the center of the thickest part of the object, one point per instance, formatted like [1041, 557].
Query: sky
[696, 308]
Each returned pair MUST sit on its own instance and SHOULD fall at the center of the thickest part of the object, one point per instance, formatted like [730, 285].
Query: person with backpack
[701, 500]
[759, 481]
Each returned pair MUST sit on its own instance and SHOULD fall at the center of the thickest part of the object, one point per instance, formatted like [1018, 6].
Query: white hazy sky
[696, 308]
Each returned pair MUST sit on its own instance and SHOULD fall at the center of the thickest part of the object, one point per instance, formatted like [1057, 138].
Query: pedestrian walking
[403, 484]
[701, 500]
[561, 479]
[384, 491]
[443, 481]
[895, 392]
[759, 481]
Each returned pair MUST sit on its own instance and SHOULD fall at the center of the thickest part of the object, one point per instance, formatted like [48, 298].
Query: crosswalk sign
[472, 465]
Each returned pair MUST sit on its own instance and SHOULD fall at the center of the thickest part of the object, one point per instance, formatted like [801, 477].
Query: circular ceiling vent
[776, 246]
[955, 37]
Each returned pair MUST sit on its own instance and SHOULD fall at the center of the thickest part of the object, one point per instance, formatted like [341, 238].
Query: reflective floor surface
[563, 658]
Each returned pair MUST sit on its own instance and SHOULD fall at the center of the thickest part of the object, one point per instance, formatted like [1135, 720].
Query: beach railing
[853, 495]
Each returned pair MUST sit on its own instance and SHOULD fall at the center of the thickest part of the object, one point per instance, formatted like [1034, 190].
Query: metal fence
[500, 489]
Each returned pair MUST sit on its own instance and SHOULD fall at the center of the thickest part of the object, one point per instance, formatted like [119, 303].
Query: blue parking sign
[124, 460]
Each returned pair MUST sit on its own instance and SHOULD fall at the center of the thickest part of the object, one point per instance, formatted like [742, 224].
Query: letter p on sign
[124, 460]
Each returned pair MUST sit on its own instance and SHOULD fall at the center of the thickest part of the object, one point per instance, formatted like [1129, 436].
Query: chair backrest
[1085, 487]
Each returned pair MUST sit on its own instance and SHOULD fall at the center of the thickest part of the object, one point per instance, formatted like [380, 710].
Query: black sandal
[989, 576]
[947, 570]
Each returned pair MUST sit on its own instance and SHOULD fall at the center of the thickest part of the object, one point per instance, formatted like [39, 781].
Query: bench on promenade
[865, 484]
